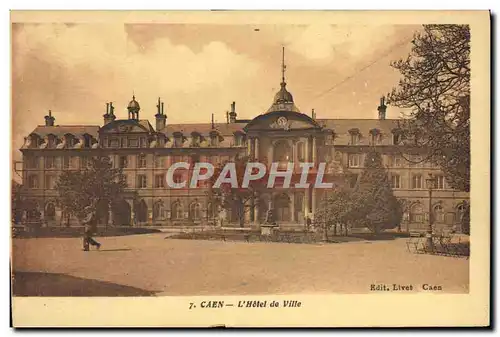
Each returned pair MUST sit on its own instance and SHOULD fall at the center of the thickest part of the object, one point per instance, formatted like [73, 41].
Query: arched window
[195, 211]
[158, 210]
[417, 213]
[282, 152]
[438, 214]
[177, 211]
[50, 211]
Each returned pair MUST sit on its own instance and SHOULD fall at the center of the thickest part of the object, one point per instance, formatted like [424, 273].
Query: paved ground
[151, 263]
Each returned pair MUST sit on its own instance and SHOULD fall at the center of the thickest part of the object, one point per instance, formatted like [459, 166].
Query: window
[33, 181]
[50, 162]
[177, 141]
[300, 152]
[177, 212]
[123, 161]
[158, 210]
[438, 214]
[123, 142]
[238, 140]
[125, 179]
[159, 161]
[417, 161]
[32, 162]
[113, 142]
[144, 142]
[214, 140]
[159, 181]
[376, 138]
[66, 162]
[417, 214]
[210, 210]
[460, 212]
[354, 138]
[195, 140]
[141, 181]
[397, 161]
[195, 211]
[50, 182]
[84, 161]
[416, 182]
[396, 139]
[354, 160]
[395, 181]
[141, 161]
[439, 183]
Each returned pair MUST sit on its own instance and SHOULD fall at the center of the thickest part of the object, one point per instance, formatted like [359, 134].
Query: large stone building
[283, 133]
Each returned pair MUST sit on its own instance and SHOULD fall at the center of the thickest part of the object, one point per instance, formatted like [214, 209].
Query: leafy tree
[435, 88]
[337, 209]
[16, 202]
[377, 207]
[98, 183]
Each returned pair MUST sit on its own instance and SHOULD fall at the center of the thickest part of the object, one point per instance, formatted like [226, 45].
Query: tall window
[66, 162]
[141, 161]
[177, 212]
[50, 182]
[159, 161]
[354, 138]
[417, 213]
[195, 211]
[123, 162]
[397, 161]
[438, 214]
[195, 140]
[33, 181]
[396, 139]
[238, 139]
[158, 210]
[50, 162]
[376, 138]
[354, 160]
[416, 181]
[214, 140]
[143, 142]
[31, 162]
[440, 182]
[301, 156]
[159, 181]
[177, 141]
[395, 181]
[141, 181]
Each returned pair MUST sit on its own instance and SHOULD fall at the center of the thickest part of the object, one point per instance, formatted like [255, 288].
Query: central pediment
[127, 126]
[282, 120]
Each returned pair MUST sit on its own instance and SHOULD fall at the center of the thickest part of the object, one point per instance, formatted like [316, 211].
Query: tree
[239, 199]
[435, 88]
[16, 202]
[376, 206]
[336, 209]
[98, 183]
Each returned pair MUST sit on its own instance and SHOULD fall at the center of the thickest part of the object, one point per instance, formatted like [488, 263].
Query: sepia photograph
[218, 159]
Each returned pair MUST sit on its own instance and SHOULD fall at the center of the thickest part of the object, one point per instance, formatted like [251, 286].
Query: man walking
[88, 222]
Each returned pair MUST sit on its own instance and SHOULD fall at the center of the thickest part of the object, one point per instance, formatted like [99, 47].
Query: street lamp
[431, 182]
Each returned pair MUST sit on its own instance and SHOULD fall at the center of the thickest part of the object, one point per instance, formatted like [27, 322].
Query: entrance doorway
[282, 207]
[121, 213]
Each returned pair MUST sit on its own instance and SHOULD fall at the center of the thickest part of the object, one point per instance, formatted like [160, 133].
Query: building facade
[281, 134]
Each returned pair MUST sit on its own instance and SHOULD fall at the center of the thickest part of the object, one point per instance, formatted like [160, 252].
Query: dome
[283, 96]
[133, 105]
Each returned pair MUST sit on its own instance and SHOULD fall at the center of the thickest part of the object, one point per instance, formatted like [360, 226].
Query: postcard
[250, 168]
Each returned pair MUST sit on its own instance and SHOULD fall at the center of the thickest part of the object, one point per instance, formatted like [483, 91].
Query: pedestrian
[88, 221]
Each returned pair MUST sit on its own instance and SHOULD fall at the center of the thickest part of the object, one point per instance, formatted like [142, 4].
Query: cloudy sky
[198, 69]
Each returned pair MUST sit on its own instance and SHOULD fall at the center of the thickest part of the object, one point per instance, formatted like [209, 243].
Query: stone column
[313, 192]
[249, 146]
[257, 155]
[292, 207]
[308, 155]
[306, 202]
[314, 150]
[110, 216]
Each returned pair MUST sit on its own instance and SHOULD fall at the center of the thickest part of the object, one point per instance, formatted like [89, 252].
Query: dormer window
[397, 136]
[195, 139]
[214, 138]
[238, 138]
[375, 137]
[178, 139]
[355, 136]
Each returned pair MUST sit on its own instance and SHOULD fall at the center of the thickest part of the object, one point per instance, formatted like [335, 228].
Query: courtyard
[151, 265]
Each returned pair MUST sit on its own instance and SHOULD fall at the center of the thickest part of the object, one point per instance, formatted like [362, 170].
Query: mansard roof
[61, 130]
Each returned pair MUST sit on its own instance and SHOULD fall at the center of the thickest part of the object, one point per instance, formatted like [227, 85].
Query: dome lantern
[133, 109]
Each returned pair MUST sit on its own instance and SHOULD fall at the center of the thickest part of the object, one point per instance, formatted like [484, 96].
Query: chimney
[161, 118]
[49, 119]
[109, 116]
[313, 114]
[227, 117]
[213, 123]
[382, 108]
[232, 114]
